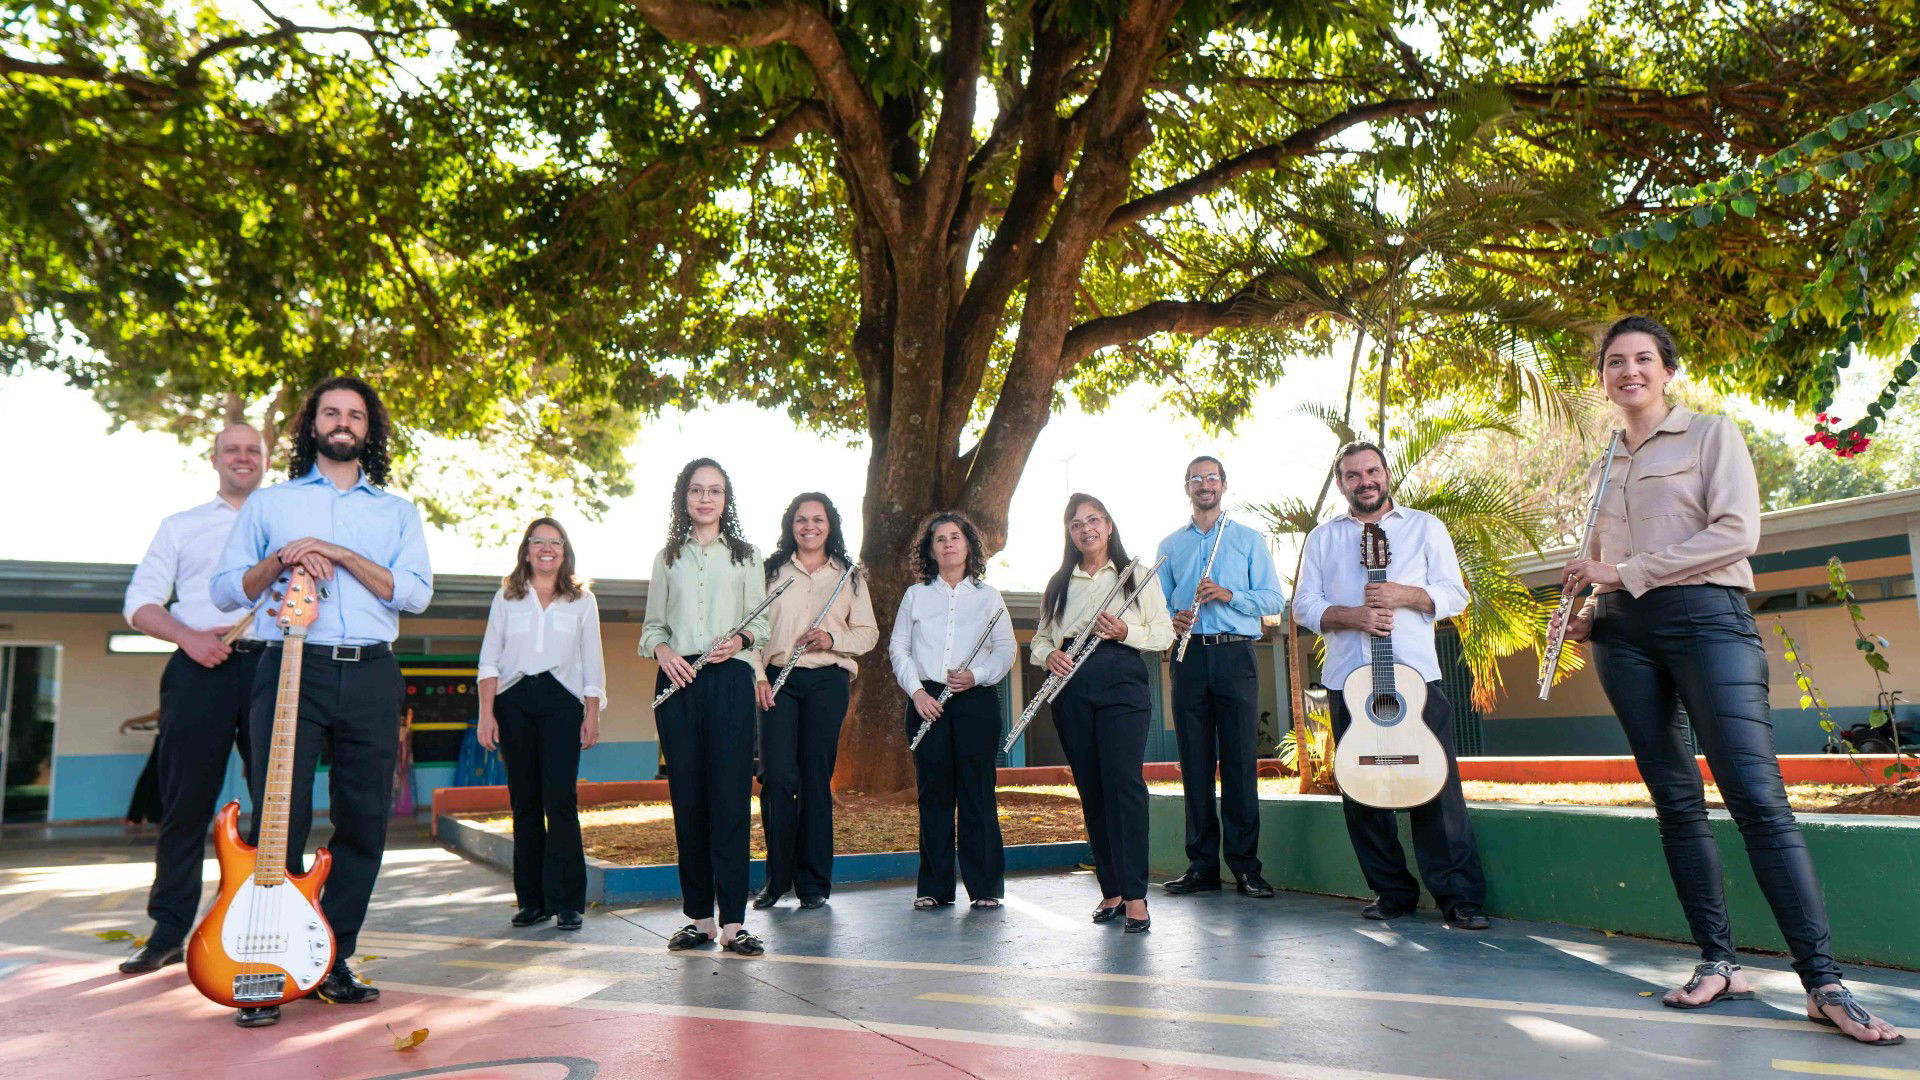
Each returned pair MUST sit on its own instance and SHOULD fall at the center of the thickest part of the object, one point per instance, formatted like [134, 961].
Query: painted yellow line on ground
[1865, 1072]
[908, 1032]
[550, 969]
[1136, 1011]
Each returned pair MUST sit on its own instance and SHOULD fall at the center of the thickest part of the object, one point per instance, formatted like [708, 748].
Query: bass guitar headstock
[1374, 553]
[299, 602]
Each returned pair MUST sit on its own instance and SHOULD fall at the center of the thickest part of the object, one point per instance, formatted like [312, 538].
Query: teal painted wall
[1795, 731]
[1602, 867]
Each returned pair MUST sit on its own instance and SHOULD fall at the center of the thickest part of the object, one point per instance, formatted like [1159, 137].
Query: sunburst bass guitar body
[264, 941]
[1388, 757]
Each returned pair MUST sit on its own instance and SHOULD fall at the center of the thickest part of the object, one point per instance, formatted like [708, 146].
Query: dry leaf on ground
[408, 1041]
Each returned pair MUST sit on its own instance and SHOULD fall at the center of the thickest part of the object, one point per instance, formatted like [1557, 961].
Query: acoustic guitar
[264, 941]
[1388, 758]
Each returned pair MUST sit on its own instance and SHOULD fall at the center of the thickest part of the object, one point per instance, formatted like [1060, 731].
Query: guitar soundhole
[1386, 708]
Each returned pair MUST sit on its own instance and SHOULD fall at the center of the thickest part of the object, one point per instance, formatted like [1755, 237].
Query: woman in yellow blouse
[1670, 625]
[1102, 715]
[705, 580]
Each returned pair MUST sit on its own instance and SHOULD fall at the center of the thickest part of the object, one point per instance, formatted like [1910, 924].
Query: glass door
[28, 690]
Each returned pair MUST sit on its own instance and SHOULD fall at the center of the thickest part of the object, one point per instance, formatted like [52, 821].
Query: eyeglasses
[715, 492]
[1087, 524]
[543, 542]
[1204, 479]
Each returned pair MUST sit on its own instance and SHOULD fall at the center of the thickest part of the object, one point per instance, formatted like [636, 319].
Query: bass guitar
[264, 940]
[1388, 758]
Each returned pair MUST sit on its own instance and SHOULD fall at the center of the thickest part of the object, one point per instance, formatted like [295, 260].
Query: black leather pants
[1697, 644]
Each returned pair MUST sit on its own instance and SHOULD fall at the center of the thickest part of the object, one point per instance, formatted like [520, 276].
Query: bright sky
[104, 493]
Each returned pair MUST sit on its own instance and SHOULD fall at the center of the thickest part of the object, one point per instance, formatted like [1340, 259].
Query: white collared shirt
[524, 639]
[936, 627]
[180, 562]
[1420, 553]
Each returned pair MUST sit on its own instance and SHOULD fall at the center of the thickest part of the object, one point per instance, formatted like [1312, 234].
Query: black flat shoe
[343, 987]
[688, 937]
[1254, 885]
[530, 916]
[1108, 914]
[1468, 917]
[263, 1016]
[1139, 926]
[812, 903]
[1381, 911]
[745, 944]
[764, 900]
[151, 958]
[568, 920]
[1191, 883]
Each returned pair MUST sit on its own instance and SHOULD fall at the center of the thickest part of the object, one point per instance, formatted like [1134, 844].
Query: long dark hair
[306, 444]
[567, 585]
[787, 545]
[1054, 600]
[921, 562]
[680, 525]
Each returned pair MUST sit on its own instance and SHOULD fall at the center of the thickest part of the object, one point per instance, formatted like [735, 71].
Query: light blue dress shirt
[1244, 567]
[379, 526]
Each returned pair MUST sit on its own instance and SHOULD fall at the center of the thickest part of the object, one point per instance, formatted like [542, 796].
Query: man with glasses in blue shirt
[1216, 689]
[365, 548]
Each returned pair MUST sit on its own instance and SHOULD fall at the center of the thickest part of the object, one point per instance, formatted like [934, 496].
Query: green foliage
[1319, 729]
[1869, 645]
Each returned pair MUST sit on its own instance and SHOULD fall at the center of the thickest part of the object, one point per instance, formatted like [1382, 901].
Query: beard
[337, 451]
[1368, 503]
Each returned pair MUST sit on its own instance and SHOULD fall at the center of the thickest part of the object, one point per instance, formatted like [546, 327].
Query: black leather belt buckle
[349, 653]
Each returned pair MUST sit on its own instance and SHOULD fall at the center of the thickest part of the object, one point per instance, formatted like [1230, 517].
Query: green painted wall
[1602, 867]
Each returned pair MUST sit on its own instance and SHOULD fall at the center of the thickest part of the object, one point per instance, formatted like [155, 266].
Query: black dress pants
[540, 746]
[203, 712]
[706, 733]
[1443, 844]
[1102, 717]
[1216, 697]
[799, 742]
[353, 708]
[955, 766]
[1697, 644]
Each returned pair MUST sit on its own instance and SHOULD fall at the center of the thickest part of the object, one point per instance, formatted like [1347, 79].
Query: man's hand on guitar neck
[309, 550]
[1377, 621]
[1392, 594]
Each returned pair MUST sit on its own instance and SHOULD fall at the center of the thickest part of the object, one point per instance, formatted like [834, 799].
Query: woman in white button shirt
[541, 691]
[940, 619]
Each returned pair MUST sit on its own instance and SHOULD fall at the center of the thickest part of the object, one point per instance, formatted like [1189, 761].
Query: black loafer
[528, 916]
[1108, 914]
[262, 1016]
[343, 987]
[1468, 917]
[568, 920]
[1381, 911]
[1139, 926]
[764, 900]
[812, 903]
[1254, 885]
[745, 944]
[688, 937]
[151, 958]
[1190, 882]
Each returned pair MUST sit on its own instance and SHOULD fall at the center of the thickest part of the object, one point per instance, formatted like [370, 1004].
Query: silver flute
[1083, 647]
[794, 657]
[1557, 637]
[737, 627]
[925, 725]
[1180, 652]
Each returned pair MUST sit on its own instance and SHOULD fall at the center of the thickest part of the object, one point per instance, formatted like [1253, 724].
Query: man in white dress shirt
[203, 692]
[1423, 586]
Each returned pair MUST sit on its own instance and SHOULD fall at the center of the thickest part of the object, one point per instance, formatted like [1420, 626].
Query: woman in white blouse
[542, 686]
[939, 621]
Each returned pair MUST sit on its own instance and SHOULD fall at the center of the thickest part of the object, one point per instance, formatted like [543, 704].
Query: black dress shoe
[1254, 885]
[1381, 911]
[342, 987]
[528, 916]
[567, 920]
[260, 1016]
[1139, 926]
[1467, 917]
[1189, 882]
[765, 899]
[813, 902]
[1108, 914]
[151, 958]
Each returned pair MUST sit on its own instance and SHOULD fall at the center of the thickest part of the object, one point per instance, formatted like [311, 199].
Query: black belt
[1218, 639]
[345, 653]
[249, 645]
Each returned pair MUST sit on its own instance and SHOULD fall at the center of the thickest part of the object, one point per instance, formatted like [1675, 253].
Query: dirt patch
[641, 834]
[1901, 798]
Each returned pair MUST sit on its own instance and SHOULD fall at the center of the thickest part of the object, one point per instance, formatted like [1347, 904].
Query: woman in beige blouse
[1670, 625]
[1102, 715]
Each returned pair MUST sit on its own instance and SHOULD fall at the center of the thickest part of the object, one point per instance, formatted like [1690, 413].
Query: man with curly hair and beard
[365, 548]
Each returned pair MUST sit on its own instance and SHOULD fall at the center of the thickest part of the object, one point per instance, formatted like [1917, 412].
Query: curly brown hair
[920, 560]
[374, 456]
[680, 525]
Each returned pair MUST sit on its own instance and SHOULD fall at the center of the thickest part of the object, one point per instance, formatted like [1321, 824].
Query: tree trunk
[873, 741]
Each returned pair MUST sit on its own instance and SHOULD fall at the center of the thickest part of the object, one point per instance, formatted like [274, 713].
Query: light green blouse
[700, 597]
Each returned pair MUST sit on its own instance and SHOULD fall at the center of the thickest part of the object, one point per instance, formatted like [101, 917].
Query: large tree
[917, 223]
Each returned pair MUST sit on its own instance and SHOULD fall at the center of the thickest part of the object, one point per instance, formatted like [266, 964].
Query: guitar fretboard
[1382, 647]
[270, 860]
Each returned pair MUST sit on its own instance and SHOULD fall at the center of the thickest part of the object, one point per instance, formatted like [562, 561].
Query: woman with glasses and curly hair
[940, 618]
[704, 582]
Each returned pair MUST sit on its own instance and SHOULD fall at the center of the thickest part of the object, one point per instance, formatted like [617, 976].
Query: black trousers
[1697, 644]
[1102, 717]
[203, 712]
[353, 708]
[540, 746]
[706, 732]
[955, 767]
[1443, 844]
[799, 742]
[1216, 698]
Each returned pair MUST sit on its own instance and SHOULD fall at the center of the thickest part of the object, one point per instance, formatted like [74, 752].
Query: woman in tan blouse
[1102, 715]
[1670, 625]
[800, 726]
